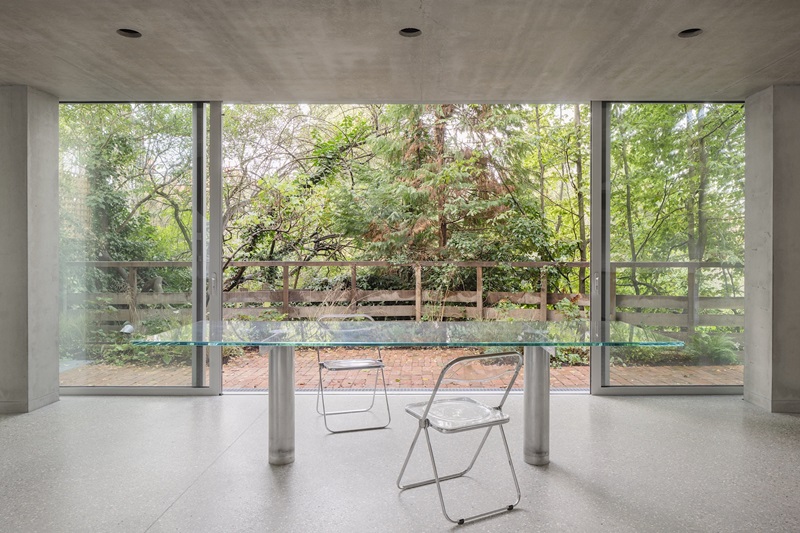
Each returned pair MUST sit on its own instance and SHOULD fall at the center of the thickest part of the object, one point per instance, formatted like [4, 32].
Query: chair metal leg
[511, 467]
[320, 392]
[325, 413]
[439, 479]
[405, 463]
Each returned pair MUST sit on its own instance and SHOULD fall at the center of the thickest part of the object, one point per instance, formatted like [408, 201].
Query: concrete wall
[29, 287]
[758, 249]
[772, 249]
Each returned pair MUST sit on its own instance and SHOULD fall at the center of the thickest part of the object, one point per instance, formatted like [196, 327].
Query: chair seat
[450, 415]
[351, 364]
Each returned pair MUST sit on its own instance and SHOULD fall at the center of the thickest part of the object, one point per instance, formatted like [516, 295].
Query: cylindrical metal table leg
[536, 440]
[281, 405]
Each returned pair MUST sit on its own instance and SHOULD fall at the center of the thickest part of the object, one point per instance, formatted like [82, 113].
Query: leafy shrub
[702, 349]
[114, 348]
[568, 307]
[649, 356]
[109, 346]
[570, 356]
[708, 348]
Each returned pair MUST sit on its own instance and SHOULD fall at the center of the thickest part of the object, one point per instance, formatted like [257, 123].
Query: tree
[678, 188]
[126, 182]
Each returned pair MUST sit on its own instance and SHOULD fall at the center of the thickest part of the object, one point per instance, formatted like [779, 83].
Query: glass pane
[677, 239]
[328, 207]
[126, 228]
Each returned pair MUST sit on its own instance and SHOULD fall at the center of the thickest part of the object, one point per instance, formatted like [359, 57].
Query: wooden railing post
[353, 289]
[612, 307]
[286, 290]
[479, 292]
[418, 291]
[543, 294]
[693, 300]
[132, 292]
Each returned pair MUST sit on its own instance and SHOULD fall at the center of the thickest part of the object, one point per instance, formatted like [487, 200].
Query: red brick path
[405, 369]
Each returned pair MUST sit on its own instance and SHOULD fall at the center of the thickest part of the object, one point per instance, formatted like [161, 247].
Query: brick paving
[405, 369]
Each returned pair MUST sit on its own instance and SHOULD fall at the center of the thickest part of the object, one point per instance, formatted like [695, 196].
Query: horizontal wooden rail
[130, 264]
[675, 264]
[678, 302]
[468, 264]
[685, 312]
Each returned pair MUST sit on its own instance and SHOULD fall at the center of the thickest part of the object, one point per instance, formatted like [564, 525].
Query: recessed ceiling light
[410, 32]
[127, 32]
[691, 32]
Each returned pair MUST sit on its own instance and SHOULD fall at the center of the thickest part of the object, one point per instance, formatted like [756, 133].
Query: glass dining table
[534, 338]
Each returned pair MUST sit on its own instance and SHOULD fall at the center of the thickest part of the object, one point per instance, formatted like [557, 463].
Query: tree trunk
[541, 161]
[701, 233]
[696, 215]
[629, 215]
[442, 113]
[581, 201]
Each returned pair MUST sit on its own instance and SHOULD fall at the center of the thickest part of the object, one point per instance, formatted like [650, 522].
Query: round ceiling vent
[127, 32]
[411, 32]
[691, 32]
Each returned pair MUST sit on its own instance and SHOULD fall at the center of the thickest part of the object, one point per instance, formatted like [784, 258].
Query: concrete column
[29, 280]
[772, 249]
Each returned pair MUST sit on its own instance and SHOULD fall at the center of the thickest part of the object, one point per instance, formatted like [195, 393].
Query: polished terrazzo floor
[198, 464]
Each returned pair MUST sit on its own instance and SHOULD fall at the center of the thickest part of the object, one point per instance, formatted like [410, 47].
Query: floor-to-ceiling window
[126, 242]
[410, 212]
[404, 212]
[677, 240]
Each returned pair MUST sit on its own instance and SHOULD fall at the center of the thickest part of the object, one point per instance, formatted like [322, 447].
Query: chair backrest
[479, 368]
[346, 317]
[343, 317]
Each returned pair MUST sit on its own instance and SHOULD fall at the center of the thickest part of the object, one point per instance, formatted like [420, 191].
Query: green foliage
[125, 189]
[267, 315]
[713, 348]
[413, 182]
[114, 348]
[649, 356]
[71, 338]
[386, 279]
[446, 195]
[392, 182]
[404, 183]
[572, 356]
[678, 193]
[567, 307]
[704, 348]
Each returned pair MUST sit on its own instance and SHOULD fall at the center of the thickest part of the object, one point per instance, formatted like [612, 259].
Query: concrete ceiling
[350, 50]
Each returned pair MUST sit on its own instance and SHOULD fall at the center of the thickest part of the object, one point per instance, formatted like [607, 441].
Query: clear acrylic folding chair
[458, 414]
[339, 365]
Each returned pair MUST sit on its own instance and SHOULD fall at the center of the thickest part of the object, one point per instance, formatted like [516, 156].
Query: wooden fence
[683, 313]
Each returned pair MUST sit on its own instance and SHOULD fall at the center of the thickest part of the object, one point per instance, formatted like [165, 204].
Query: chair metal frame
[335, 365]
[425, 423]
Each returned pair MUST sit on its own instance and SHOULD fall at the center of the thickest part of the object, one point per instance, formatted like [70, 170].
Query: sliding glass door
[676, 242]
[127, 241]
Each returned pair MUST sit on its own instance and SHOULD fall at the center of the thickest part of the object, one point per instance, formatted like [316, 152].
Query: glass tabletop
[406, 333]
